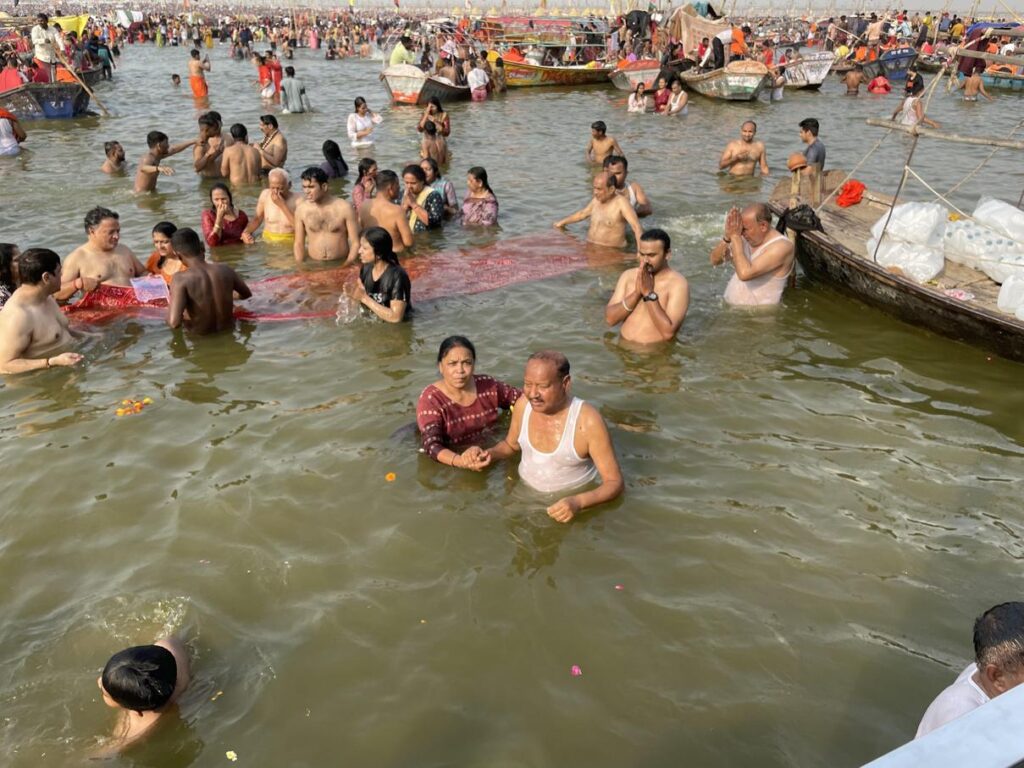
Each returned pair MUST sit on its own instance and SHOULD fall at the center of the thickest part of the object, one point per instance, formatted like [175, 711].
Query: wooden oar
[81, 82]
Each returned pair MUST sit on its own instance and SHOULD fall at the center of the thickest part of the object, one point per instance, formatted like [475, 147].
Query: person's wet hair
[366, 164]
[194, 53]
[479, 173]
[153, 138]
[387, 179]
[382, 244]
[36, 262]
[269, 120]
[141, 678]
[615, 160]
[999, 637]
[96, 215]
[331, 150]
[208, 120]
[435, 169]
[7, 251]
[810, 124]
[359, 101]
[314, 173]
[165, 228]
[560, 361]
[657, 234]
[186, 241]
[599, 126]
[239, 132]
[110, 146]
[762, 213]
[455, 342]
[429, 128]
[290, 71]
[413, 170]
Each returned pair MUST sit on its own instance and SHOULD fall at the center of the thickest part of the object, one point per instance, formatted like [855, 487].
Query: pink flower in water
[576, 671]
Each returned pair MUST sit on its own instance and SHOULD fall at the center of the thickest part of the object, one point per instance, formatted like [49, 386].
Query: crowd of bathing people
[564, 446]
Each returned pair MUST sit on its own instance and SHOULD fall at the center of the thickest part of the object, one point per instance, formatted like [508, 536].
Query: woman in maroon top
[454, 413]
[661, 96]
[222, 224]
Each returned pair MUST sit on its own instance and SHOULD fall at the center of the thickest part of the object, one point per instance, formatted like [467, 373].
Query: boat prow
[737, 81]
[37, 101]
[811, 71]
[407, 84]
[628, 76]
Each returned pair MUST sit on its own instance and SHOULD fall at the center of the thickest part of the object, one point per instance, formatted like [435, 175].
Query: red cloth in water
[850, 194]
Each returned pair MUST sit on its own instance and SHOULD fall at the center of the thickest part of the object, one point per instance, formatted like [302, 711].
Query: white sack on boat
[1006, 219]
[1011, 295]
[913, 240]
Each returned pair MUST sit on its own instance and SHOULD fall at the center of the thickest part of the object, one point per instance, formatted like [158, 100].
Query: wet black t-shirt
[394, 285]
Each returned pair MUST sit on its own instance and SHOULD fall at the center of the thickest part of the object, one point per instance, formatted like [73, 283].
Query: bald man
[762, 257]
[609, 215]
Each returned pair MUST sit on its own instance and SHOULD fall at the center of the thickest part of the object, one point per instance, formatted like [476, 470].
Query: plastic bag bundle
[1006, 219]
[1011, 295]
[913, 241]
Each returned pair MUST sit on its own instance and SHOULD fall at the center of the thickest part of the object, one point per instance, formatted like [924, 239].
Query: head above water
[455, 342]
[95, 217]
[239, 133]
[387, 182]
[367, 166]
[155, 138]
[186, 242]
[599, 127]
[757, 223]
[113, 150]
[35, 263]
[431, 169]
[380, 242]
[546, 381]
[141, 678]
[220, 191]
[810, 125]
[268, 121]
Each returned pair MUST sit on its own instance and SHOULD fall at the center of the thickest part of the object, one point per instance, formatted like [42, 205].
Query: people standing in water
[383, 286]
[325, 225]
[433, 145]
[222, 224]
[763, 258]
[480, 205]
[273, 148]
[661, 97]
[743, 156]
[162, 261]
[441, 185]
[102, 260]
[972, 85]
[114, 162]
[150, 166]
[601, 144]
[240, 163]
[434, 113]
[609, 215]
[617, 168]
[361, 124]
[8, 283]
[209, 148]
[638, 99]
[564, 442]
[275, 210]
[814, 152]
[33, 330]
[998, 667]
[678, 101]
[383, 211]
[202, 294]
[197, 69]
[911, 111]
[651, 299]
[334, 164]
[293, 93]
[422, 204]
[366, 182]
[456, 413]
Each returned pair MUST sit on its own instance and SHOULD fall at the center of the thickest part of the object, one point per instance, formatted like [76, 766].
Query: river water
[819, 499]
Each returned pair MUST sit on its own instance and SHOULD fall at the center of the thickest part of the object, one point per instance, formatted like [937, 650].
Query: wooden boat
[893, 64]
[839, 257]
[628, 76]
[407, 84]
[35, 101]
[842, 66]
[523, 74]
[736, 81]
[1003, 80]
[810, 71]
[931, 62]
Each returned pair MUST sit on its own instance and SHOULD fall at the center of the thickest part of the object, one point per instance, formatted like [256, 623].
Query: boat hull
[1003, 81]
[409, 85]
[520, 74]
[627, 78]
[893, 65]
[811, 71]
[39, 101]
[730, 83]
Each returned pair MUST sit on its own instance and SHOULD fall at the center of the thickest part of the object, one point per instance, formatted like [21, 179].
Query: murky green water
[819, 500]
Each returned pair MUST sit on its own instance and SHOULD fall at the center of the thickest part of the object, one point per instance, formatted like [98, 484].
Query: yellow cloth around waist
[278, 237]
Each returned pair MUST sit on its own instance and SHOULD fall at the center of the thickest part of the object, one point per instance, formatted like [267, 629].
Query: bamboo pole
[916, 130]
[995, 58]
[81, 82]
[895, 198]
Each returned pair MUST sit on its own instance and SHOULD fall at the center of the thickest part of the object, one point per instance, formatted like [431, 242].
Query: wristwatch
[652, 296]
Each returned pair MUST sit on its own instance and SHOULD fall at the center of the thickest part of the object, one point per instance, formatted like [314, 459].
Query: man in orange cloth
[196, 78]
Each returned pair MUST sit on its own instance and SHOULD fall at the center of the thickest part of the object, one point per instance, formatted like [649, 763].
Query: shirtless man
[384, 211]
[102, 259]
[763, 258]
[618, 168]
[539, 419]
[433, 144]
[327, 221]
[853, 80]
[609, 213]
[209, 148]
[240, 163]
[601, 144]
[742, 156]
[150, 167]
[115, 158]
[972, 85]
[275, 209]
[196, 74]
[33, 330]
[274, 148]
[651, 299]
[202, 294]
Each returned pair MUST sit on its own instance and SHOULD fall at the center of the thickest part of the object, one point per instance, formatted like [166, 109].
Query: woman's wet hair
[364, 167]
[36, 262]
[414, 170]
[640, 87]
[382, 244]
[437, 103]
[331, 150]
[141, 678]
[479, 173]
[455, 342]
[165, 228]
[360, 101]
[435, 169]
[224, 188]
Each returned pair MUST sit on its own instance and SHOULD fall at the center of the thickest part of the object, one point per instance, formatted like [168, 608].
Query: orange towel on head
[199, 87]
[850, 194]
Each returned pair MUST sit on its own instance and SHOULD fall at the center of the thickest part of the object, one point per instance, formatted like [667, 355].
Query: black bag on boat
[799, 219]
